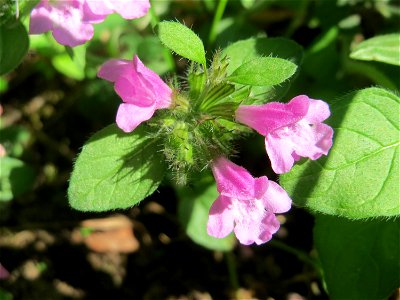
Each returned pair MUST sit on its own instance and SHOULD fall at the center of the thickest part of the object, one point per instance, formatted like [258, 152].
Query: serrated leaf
[194, 205]
[182, 41]
[14, 44]
[360, 176]
[16, 178]
[115, 170]
[383, 48]
[263, 71]
[360, 259]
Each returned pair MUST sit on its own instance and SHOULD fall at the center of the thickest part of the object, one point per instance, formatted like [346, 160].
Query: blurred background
[53, 102]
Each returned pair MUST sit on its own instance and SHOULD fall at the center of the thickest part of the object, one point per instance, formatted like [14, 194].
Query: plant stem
[217, 18]
[300, 254]
[232, 270]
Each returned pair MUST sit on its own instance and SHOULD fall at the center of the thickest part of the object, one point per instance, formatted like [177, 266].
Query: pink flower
[141, 90]
[246, 205]
[4, 274]
[291, 130]
[71, 20]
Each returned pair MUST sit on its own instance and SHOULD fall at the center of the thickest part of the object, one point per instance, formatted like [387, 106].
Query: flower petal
[40, 20]
[161, 90]
[97, 7]
[256, 227]
[72, 33]
[269, 226]
[280, 153]
[260, 186]
[135, 90]
[130, 9]
[115, 68]
[220, 219]
[271, 116]
[129, 116]
[276, 199]
[324, 139]
[310, 140]
[64, 18]
[232, 180]
[89, 16]
[318, 111]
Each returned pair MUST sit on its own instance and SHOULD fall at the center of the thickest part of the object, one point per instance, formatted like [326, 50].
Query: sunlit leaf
[115, 170]
[360, 176]
[263, 71]
[182, 41]
[383, 48]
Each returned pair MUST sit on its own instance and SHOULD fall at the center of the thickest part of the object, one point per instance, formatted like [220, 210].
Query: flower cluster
[71, 21]
[199, 125]
[246, 205]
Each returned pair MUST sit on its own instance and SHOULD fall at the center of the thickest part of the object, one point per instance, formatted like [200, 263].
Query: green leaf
[14, 44]
[15, 178]
[360, 259]
[194, 204]
[71, 64]
[115, 170]
[182, 41]
[383, 48]
[360, 176]
[263, 71]
[244, 51]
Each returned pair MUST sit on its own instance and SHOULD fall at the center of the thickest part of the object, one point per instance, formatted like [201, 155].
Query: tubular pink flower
[141, 90]
[71, 20]
[291, 130]
[246, 205]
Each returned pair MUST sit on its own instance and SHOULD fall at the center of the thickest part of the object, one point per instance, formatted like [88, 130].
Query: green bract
[115, 170]
[182, 41]
[360, 176]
